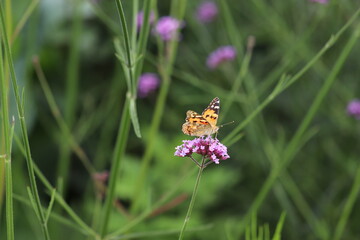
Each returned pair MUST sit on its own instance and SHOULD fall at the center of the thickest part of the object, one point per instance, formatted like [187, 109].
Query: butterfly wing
[211, 113]
[195, 124]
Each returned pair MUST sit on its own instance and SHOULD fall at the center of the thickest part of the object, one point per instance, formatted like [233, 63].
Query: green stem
[24, 18]
[72, 82]
[6, 152]
[20, 111]
[143, 37]
[132, 87]
[117, 157]
[9, 193]
[192, 201]
[155, 123]
[353, 195]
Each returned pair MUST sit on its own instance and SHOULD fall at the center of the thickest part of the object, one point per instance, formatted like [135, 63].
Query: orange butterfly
[204, 124]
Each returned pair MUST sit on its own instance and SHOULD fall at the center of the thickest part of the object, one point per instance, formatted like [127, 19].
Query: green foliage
[69, 75]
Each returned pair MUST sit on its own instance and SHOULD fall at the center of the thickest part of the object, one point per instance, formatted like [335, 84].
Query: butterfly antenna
[226, 124]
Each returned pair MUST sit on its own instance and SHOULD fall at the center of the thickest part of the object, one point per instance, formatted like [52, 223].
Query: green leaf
[134, 117]
[279, 226]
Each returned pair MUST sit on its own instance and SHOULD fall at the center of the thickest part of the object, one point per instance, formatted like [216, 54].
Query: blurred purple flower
[101, 176]
[140, 19]
[320, 1]
[353, 108]
[148, 82]
[167, 28]
[208, 147]
[220, 55]
[207, 12]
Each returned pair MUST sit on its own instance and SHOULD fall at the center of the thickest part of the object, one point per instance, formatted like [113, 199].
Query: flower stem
[192, 201]
[196, 162]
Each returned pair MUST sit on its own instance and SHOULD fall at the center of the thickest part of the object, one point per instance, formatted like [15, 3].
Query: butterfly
[204, 124]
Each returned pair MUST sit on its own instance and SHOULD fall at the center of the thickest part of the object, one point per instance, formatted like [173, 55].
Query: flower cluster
[207, 12]
[353, 108]
[167, 28]
[148, 82]
[208, 147]
[220, 55]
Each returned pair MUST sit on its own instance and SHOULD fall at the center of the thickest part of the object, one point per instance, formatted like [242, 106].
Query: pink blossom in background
[320, 1]
[220, 55]
[167, 28]
[353, 108]
[207, 12]
[148, 83]
[140, 19]
[101, 176]
[209, 147]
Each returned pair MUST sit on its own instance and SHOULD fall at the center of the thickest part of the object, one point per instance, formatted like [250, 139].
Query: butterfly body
[202, 124]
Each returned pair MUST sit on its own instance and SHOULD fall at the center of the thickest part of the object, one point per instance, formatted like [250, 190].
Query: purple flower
[148, 82]
[353, 108]
[140, 19]
[320, 1]
[101, 176]
[207, 12]
[220, 55]
[208, 147]
[167, 28]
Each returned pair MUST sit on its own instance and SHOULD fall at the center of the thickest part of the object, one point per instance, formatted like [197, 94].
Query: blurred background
[73, 43]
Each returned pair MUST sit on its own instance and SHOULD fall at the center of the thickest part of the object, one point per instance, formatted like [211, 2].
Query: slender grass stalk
[145, 162]
[72, 92]
[5, 154]
[135, 5]
[118, 155]
[292, 147]
[279, 226]
[193, 197]
[349, 205]
[20, 111]
[8, 16]
[292, 80]
[9, 190]
[24, 17]
[129, 65]
[244, 66]
[143, 37]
